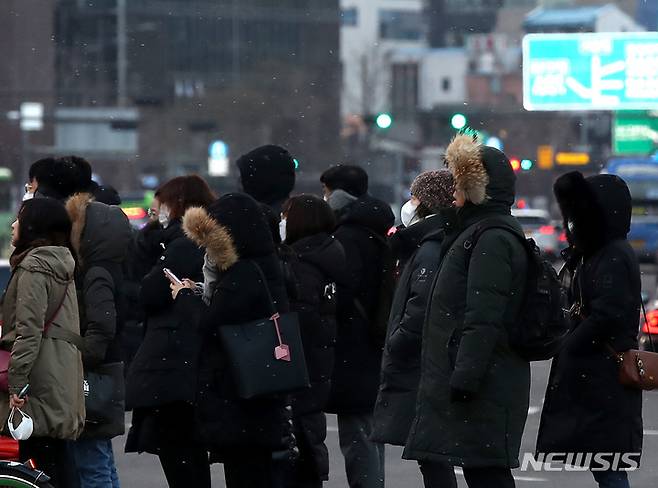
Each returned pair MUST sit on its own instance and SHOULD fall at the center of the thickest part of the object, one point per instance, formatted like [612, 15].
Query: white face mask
[163, 216]
[24, 429]
[28, 196]
[282, 229]
[408, 214]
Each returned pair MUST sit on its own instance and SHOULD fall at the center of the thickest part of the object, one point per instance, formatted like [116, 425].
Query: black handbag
[266, 356]
[105, 392]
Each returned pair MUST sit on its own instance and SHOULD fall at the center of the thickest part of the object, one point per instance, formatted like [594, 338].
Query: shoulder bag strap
[50, 321]
[267, 288]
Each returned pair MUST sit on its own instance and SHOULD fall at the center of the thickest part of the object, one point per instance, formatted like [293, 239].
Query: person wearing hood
[315, 261]
[474, 389]
[362, 226]
[41, 330]
[427, 218]
[586, 409]
[241, 434]
[268, 174]
[166, 356]
[100, 237]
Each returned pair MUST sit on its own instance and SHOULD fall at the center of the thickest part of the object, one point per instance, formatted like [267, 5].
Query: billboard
[600, 71]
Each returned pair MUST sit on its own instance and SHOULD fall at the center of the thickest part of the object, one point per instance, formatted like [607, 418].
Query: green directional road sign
[635, 133]
[601, 71]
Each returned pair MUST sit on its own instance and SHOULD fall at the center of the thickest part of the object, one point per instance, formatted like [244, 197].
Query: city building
[27, 74]
[246, 72]
[601, 18]
[370, 31]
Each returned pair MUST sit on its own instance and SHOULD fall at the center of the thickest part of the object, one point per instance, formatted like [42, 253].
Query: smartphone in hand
[172, 277]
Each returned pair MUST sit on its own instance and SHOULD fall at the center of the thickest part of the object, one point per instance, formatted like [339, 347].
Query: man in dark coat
[268, 174]
[430, 218]
[474, 389]
[586, 409]
[362, 228]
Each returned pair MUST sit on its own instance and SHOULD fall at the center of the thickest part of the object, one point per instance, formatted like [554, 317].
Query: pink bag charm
[282, 351]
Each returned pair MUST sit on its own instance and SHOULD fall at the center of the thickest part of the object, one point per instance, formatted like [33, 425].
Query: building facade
[246, 72]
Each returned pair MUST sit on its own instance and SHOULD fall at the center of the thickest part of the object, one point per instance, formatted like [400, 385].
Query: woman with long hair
[161, 379]
[41, 329]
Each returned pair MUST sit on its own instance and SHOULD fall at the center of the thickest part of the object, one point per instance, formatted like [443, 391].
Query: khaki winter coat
[52, 365]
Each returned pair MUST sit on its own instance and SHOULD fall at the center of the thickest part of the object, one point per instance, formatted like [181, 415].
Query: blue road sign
[601, 71]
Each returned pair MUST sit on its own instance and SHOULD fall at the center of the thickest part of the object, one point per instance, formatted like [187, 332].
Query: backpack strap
[484, 226]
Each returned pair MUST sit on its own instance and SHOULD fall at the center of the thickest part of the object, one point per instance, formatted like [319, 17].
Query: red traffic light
[515, 163]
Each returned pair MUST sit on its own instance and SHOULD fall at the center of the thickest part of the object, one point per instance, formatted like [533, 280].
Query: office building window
[446, 84]
[404, 92]
[402, 25]
[350, 16]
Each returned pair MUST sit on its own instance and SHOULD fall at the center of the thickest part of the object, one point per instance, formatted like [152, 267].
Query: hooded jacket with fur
[586, 409]
[236, 237]
[465, 349]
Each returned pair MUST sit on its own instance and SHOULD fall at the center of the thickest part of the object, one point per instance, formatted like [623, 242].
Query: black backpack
[543, 322]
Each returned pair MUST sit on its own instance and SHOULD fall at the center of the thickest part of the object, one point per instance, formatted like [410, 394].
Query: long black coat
[171, 340]
[317, 268]
[465, 342]
[101, 236]
[358, 359]
[586, 409]
[396, 403]
[224, 420]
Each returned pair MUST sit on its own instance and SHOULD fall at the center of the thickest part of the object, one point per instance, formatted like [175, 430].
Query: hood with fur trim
[596, 210]
[483, 173]
[99, 232]
[209, 234]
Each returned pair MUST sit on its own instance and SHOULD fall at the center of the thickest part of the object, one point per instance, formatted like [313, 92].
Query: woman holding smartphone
[163, 370]
[40, 328]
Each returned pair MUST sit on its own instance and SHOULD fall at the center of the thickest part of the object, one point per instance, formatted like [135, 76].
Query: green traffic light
[384, 121]
[296, 161]
[458, 121]
[526, 164]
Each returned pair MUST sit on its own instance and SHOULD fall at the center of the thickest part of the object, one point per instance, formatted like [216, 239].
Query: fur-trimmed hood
[596, 210]
[99, 232]
[213, 237]
[483, 173]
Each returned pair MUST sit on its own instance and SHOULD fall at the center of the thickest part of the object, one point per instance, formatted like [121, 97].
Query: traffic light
[526, 164]
[296, 161]
[458, 121]
[384, 120]
[515, 163]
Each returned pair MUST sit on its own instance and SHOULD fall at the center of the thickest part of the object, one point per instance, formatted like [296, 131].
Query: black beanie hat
[267, 173]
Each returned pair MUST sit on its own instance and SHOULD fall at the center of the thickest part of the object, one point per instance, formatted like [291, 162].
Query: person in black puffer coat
[161, 381]
[362, 228]
[101, 237]
[427, 218]
[315, 263]
[586, 409]
[242, 434]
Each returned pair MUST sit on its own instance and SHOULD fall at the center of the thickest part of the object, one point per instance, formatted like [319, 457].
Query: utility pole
[122, 60]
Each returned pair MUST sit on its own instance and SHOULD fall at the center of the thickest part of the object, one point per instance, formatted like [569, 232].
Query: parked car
[649, 327]
[537, 225]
